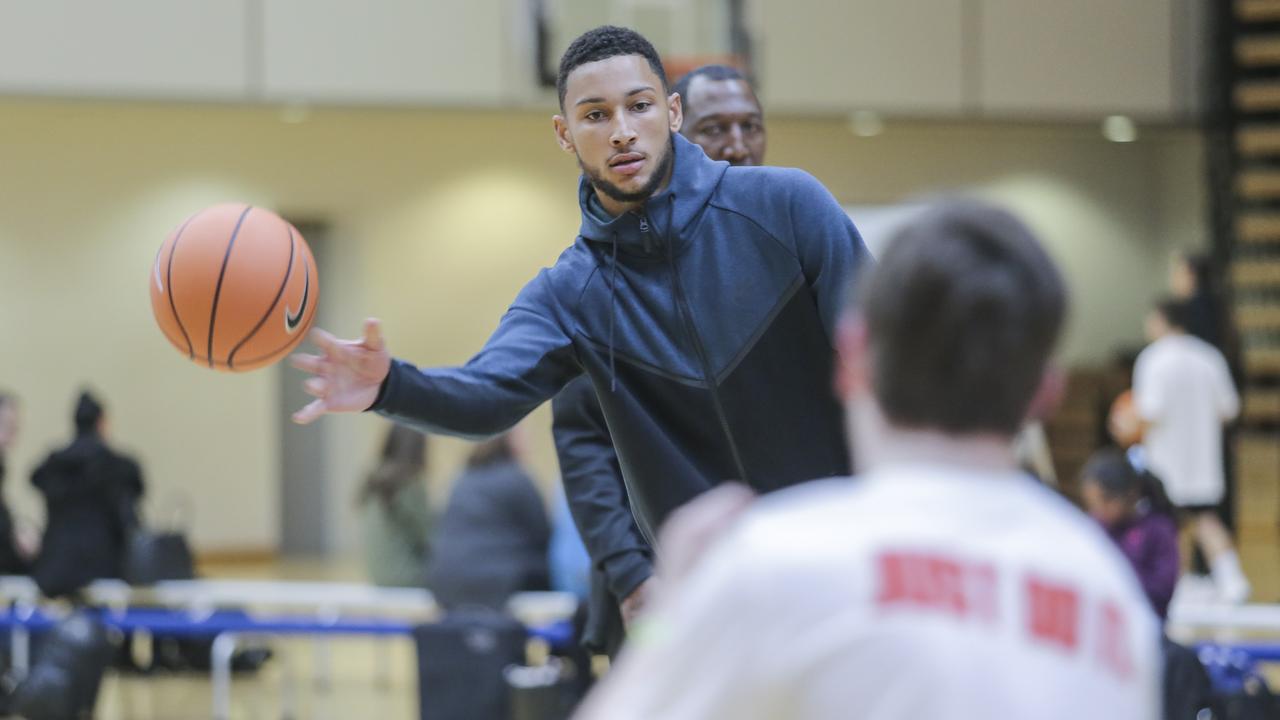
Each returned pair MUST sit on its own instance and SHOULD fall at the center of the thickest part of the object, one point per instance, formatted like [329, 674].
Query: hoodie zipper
[644, 231]
[687, 317]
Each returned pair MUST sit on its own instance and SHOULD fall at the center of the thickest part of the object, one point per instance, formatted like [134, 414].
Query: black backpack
[461, 660]
[69, 662]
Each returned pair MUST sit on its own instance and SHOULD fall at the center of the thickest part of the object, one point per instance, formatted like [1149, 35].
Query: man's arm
[1228, 398]
[597, 496]
[1149, 391]
[829, 247]
[525, 362]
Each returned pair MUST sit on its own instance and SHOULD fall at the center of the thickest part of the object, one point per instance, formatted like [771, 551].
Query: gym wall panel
[385, 51]
[139, 48]
[886, 55]
[1081, 59]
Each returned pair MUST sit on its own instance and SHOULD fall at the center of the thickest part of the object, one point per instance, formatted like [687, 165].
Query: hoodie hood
[694, 178]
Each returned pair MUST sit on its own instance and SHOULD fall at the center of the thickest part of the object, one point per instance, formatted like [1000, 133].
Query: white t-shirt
[917, 592]
[1182, 387]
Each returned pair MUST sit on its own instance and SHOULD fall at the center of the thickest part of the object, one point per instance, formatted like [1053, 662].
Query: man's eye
[641, 106]
[595, 115]
[712, 130]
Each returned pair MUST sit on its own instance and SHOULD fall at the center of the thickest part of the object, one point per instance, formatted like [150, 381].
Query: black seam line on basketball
[292, 343]
[168, 281]
[288, 271]
[217, 291]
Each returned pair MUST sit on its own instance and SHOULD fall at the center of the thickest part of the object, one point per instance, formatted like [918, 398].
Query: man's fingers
[310, 413]
[316, 387]
[373, 335]
[314, 364]
[325, 341]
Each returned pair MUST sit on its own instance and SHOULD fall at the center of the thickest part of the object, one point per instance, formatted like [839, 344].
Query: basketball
[234, 287]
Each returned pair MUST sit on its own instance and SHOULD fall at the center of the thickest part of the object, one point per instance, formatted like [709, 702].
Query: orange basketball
[1123, 422]
[234, 287]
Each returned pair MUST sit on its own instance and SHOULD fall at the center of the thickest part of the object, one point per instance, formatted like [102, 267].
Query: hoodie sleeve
[829, 247]
[524, 363]
[595, 491]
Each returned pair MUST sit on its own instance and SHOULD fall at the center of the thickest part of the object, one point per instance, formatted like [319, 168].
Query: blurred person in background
[1191, 280]
[14, 558]
[1183, 395]
[1130, 504]
[1132, 507]
[394, 511]
[567, 554]
[944, 583]
[723, 117]
[91, 495]
[492, 540]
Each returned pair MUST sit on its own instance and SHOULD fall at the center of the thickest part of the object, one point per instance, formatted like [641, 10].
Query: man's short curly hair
[603, 43]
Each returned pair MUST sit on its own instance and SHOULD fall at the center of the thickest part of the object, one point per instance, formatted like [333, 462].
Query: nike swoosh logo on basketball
[291, 321]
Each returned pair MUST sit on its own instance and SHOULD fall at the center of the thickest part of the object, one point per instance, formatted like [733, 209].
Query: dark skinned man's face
[725, 119]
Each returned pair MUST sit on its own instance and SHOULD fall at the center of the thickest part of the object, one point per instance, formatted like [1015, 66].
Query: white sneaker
[1194, 590]
[1233, 586]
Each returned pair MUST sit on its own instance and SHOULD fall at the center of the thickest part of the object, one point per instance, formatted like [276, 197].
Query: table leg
[224, 647]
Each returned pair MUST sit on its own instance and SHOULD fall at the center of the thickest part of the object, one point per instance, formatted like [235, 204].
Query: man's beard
[618, 194]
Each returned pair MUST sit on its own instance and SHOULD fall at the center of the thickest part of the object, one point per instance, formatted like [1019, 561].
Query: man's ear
[853, 358]
[1049, 393]
[675, 111]
[563, 136]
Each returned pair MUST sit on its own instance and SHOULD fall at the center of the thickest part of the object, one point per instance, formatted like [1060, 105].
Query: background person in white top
[1183, 393]
[942, 583]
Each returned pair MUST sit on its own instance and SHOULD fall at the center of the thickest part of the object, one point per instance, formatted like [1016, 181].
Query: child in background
[1131, 505]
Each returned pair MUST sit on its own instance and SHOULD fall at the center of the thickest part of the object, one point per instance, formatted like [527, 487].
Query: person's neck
[879, 443]
[987, 452]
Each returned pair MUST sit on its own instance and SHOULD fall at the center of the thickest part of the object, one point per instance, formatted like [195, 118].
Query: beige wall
[438, 218]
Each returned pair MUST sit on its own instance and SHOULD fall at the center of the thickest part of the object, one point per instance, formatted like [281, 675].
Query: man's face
[1109, 511]
[725, 120]
[618, 120]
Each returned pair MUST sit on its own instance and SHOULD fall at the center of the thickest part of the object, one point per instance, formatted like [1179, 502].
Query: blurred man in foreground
[942, 583]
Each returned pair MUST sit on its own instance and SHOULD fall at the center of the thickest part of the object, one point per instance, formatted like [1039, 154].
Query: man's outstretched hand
[347, 376]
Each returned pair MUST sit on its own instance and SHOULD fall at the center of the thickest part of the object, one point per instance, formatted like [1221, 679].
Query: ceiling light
[294, 113]
[865, 123]
[1119, 128]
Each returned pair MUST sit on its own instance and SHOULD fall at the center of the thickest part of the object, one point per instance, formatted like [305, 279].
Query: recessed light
[1119, 128]
[865, 123]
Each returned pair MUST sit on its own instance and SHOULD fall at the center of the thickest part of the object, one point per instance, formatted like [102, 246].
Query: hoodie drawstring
[613, 312]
